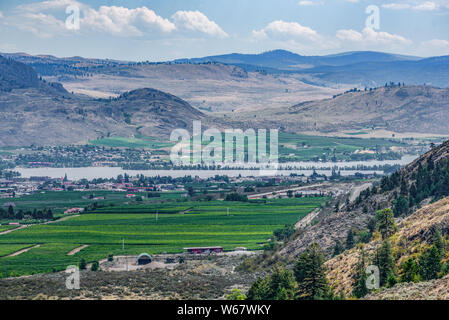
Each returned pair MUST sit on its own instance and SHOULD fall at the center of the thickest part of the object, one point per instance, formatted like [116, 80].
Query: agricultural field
[298, 147]
[292, 147]
[6, 228]
[59, 201]
[136, 142]
[170, 229]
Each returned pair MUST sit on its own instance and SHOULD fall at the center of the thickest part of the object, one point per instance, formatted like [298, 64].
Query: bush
[83, 264]
[111, 258]
[95, 266]
[236, 294]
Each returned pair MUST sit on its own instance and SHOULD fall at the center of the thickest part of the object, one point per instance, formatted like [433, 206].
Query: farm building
[74, 210]
[200, 250]
[144, 258]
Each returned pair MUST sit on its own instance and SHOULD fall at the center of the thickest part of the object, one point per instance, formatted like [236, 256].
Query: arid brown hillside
[403, 109]
[43, 117]
[33, 111]
[413, 236]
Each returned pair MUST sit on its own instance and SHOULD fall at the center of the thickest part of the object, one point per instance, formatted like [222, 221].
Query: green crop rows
[196, 224]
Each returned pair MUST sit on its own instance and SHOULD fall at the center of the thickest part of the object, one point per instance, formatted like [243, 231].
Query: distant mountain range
[286, 60]
[358, 68]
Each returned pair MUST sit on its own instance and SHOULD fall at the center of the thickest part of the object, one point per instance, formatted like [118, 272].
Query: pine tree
[259, 290]
[385, 262]
[360, 276]
[410, 271]
[350, 240]
[338, 248]
[310, 274]
[385, 222]
[280, 285]
[10, 212]
[430, 263]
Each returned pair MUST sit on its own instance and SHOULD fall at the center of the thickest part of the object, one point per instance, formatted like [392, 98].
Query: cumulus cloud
[282, 29]
[40, 19]
[370, 36]
[124, 21]
[1, 14]
[198, 22]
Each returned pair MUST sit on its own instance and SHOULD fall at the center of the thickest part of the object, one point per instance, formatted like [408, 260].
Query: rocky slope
[33, 111]
[413, 236]
[356, 215]
[420, 109]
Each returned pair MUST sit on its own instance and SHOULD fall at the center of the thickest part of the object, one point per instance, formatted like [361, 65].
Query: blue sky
[158, 30]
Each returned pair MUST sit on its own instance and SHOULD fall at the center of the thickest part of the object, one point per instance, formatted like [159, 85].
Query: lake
[306, 168]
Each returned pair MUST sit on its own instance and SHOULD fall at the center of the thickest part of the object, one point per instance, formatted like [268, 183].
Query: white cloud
[349, 35]
[124, 21]
[437, 43]
[282, 29]
[396, 6]
[426, 6]
[198, 22]
[434, 47]
[418, 6]
[306, 3]
[39, 18]
[370, 36]
[49, 5]
[1, 14]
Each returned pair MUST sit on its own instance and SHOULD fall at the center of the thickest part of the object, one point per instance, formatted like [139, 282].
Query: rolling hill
[404, 109]
[34, 111]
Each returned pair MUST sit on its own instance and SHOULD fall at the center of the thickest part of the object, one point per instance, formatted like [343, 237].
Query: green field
[137, 142]
[59, 201]
[305, 147]
[203, 224]
[6, 228]
[292, 147]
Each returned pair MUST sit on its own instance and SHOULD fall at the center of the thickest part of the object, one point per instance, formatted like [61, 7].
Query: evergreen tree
[350, 240]
[360, 276]
[385, 262]
[437, 240]
[410, 271]
[401, 206]
[385, 222]
[83, 264]
[10, 212]
[310, 274]
[338, 248]
[260, 290]
[430, 263]
[280, 285]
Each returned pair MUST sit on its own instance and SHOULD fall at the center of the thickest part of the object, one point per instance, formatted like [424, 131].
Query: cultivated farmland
[147, 228]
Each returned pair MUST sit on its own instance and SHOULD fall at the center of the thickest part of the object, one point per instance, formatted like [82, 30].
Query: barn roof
[144, 255]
